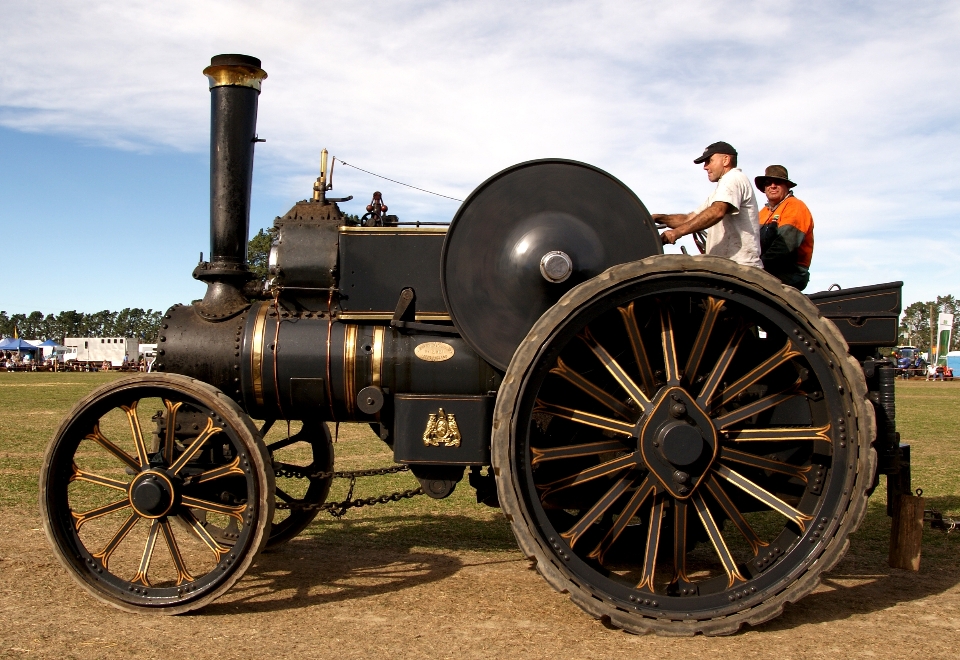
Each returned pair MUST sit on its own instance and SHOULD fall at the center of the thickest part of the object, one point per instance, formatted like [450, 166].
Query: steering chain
[339, 509]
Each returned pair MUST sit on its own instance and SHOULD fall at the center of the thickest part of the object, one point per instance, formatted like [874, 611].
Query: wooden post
[906, 533]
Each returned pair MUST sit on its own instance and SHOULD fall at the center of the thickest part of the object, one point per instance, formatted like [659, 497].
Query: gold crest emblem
[441, 430]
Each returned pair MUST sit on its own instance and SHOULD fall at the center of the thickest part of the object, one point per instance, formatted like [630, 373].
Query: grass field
[445, 578]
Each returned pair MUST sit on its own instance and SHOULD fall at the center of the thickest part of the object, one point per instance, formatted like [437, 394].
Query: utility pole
[933, 334]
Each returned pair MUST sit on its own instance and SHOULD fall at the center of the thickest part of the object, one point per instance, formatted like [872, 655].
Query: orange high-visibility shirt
[791, 212]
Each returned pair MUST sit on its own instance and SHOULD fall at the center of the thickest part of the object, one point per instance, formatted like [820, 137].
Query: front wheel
[138, 475]
[683, 445]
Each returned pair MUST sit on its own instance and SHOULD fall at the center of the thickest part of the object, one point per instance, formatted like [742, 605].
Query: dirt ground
[312, 599]
[443, 579]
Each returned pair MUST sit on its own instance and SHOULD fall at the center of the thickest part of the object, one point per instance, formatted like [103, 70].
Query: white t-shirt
[737, 235]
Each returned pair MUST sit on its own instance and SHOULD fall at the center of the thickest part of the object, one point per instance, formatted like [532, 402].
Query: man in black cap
[786, 229]
[729, 214]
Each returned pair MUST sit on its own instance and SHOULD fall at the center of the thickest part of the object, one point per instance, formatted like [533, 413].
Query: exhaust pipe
[234, 90]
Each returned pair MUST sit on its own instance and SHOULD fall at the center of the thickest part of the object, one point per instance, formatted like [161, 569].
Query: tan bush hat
[774, 173]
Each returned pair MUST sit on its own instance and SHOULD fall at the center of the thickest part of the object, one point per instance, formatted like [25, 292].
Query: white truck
[93, 351]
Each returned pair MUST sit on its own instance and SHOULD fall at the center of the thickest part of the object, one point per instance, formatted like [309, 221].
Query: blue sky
[104, 120]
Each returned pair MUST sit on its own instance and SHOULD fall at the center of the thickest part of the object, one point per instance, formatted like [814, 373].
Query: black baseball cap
[716, 148]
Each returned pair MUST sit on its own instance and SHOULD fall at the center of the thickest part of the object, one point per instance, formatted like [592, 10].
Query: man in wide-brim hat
[786, 229]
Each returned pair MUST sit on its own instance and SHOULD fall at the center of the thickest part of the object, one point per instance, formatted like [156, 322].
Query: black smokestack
[234, 90]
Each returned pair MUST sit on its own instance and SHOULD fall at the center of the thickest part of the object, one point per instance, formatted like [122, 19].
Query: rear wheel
[683, 445]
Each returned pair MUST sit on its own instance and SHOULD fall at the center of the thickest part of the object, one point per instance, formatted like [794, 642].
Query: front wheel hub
[678, 441]
[152, 494]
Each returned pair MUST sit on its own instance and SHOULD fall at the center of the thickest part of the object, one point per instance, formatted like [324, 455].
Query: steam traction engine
[680, 443]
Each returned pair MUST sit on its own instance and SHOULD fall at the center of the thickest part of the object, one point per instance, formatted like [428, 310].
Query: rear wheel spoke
[591, 390]
[639, 350]
[653, 542]
[716, 539]
[584, 476]
[763, 495]
[630, 509]
[749, 410]
[680, 509]
[713, 381]
[755, 375]
[818, 433]
[763, 463]
[576, 451]
[583, 417]
[667, 340]
[712, 306]
[615, 370]
[733, 513]
[598, 510]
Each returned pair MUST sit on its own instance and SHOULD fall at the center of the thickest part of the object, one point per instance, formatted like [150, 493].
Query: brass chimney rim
[235, 71]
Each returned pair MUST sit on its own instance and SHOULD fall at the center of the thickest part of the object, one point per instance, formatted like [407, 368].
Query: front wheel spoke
[712, 312]
[583, 417]
[79, 519]
[763, 495]
[647, 487]
[639, 350]
[615, 370]
[283, 495]
[716, 539]
[733, 513]
[764, 463]
[597, 511]
[762, 370]
[576, 451]
[719, 369]
[144, 568]
[201, 531]
[751, 409]
[195, 446]
[670, 365]
[810, 434]
[591, 390]
[183, 575]
[653, 542]
[680, 509]
[82, 475]
[584, 476]
[234, 511]
[169, 437]
[231, 468]
[108, 550]
[137, 433]
[102, 440]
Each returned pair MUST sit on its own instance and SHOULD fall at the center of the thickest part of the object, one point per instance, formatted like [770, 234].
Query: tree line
[915, 322]
[128, 322]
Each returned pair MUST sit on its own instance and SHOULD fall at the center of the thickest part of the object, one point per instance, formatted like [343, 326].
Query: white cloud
[856, 99]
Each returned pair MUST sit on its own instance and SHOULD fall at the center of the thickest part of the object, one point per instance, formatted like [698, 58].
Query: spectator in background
[931, 372]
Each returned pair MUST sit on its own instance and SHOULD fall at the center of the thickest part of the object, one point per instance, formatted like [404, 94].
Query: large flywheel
[156, 493]
[683, 445]
[526, 236]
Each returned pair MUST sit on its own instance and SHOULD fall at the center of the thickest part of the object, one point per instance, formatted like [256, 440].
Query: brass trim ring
[256, 353]
[350, 367]
[235, 75]
[376, 364]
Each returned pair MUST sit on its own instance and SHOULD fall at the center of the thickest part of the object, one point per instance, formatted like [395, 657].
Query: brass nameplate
[433, 351]
[441, 430]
